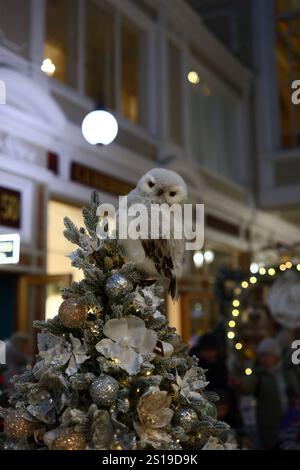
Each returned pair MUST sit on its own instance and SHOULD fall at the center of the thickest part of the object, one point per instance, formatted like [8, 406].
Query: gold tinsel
[71, 440]
[16, 426]
[72, 313]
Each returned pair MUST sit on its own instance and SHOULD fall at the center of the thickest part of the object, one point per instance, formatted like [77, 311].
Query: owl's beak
[159, 192]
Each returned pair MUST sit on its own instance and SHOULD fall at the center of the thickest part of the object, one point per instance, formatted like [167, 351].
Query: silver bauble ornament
[117, 285]
[104, 390]
[186, 418]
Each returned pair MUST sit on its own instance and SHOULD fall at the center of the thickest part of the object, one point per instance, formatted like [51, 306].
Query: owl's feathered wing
[159, 252]
[157, 257]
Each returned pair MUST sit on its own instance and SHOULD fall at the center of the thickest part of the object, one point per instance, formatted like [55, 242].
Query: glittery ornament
[104, 390]
[16, 426]
[69, 440]
[117, 285]
[186, 418]
[72, 313]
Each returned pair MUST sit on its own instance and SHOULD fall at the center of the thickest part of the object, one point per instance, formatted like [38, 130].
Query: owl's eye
[150, 184]
[172, 193]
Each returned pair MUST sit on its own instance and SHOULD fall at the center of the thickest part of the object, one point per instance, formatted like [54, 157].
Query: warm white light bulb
[254, 268]
[99, 127]
[198, 259]
[193, 77]
[48, 67]
[209, 256]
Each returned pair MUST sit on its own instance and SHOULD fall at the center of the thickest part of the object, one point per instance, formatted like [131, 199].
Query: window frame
[207, 76]
[295, 130]
[173, 148]
[77, 95]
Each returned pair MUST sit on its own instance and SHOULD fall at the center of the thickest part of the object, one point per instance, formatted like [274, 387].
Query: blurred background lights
[244, 284]
[262, 271]
[193, 77]
[230, 334]
[282, 267]
[48, 67]
[253, 280]
[271, 271]
[289, 265]
[99, 127]
[231, 323]
[248, 371]
[209, 256]
[235, 313]
[198, 259]
[238, 346]
[298, 267]
[206, 91]
[235, 303]
[254, 268]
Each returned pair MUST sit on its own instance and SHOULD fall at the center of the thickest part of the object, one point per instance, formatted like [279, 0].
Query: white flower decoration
[127, 341]
[61, 352]
[89, 244]
[190, 385]
[141, 300]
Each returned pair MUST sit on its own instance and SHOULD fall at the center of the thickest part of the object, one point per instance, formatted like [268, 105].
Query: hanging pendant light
[99, 127]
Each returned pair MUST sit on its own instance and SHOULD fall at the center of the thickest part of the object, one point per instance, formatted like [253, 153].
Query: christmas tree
[110, 372]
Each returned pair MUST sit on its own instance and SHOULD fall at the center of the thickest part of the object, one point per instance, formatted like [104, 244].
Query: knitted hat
[269, 346]
[208, 341]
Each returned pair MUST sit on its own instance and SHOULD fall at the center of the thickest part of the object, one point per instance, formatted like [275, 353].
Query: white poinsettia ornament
[127, 341]
[56, 351]
[191, 384]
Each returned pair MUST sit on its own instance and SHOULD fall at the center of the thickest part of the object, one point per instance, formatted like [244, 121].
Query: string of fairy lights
[256, 274]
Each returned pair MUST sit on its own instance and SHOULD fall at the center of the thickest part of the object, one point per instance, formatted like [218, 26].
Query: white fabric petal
[72, 366]
[55, 355]
[81, 358]
[76, 343]
[147, 341]
[116, 328]
[108, 348]
[136, 329]
[134, 322]
[130, 361]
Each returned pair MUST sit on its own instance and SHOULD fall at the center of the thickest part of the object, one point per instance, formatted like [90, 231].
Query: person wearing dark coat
[269, 386]
[18, 357]
[209, 352]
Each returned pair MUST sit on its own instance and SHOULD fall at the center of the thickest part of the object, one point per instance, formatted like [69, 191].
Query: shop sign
[95, 179]
[10, 208]
[9, 248]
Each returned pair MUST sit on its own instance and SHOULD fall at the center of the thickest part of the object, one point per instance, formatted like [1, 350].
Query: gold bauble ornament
[16, 426]
[72, 313]
[69, 440]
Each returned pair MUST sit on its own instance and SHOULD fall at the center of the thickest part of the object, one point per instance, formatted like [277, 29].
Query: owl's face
[163, 186]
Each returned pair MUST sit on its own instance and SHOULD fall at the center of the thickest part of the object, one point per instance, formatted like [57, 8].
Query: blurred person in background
[268, 385]
[18, 357]
[207, 350]
[211, 358]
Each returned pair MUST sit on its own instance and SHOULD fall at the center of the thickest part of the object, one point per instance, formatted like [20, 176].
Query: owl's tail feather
[173, 289]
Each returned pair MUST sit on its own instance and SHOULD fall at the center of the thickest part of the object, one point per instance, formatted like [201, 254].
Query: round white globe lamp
[99, 127]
